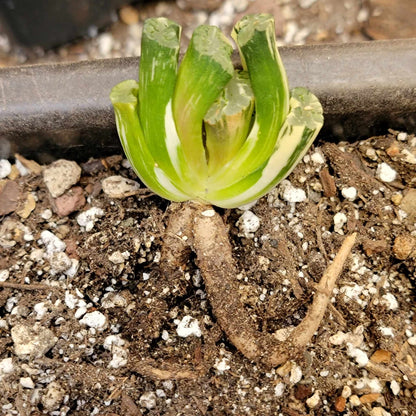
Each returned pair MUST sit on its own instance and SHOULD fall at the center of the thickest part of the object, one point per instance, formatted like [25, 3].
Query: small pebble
[27, 382]
[60, 176]
[340, 403]
[120, 187]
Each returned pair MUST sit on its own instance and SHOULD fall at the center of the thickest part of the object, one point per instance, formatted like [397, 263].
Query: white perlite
[248, 224]
[395, 387]
[291, 194]
[88, 218]
[5, 168]
[279, 389]
[295, 374]
[350, 193]
[222, 365]
[95, 320]
[52, 243]
[6, 366]
[390, 301]
[60, 176]
[340, 220]
[385, 173]
[188, 326]
[359, 356]
[148, 400]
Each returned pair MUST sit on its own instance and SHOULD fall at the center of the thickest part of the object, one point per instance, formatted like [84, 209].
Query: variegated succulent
[205, 131]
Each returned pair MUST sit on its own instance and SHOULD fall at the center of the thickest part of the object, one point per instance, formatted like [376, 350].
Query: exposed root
[214, 254]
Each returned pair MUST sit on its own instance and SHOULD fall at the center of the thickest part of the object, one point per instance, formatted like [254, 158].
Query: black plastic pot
[48, 23]
[63, 110]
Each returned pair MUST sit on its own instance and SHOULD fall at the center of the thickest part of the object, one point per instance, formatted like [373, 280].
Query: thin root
[149, 368]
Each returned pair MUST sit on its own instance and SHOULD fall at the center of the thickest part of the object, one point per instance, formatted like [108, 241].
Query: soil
[107, 333]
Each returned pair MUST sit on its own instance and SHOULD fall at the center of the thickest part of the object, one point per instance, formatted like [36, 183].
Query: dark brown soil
[360, 361]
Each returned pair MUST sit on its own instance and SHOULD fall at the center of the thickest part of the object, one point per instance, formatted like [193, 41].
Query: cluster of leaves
[205, 131]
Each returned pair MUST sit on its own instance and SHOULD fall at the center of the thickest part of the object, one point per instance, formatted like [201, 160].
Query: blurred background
[73, 30]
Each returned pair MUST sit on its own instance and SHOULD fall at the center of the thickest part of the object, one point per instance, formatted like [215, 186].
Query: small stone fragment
[359, 355]
[386, 173]
[29, 204]
[291, 194]
[30, 165]
[129, 15]
[404, 246]
[9, 196]
[395, 387]
[355, 400]
[408, 203]
[396, 199]
[340, 403]
[60, 262]
[346, 392]
[120, 187]
[6, 366]
[349, 193]
[381, 356]
[369, 398]
[73, 200]
[314, 400]
[27, 383]
[53, 396]
[117, 257]
[60, 176]
[5, 168]
[32, 341]
[295, 374]
[52, 243]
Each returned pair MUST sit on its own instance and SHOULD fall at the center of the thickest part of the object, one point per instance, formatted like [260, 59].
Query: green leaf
[255, 38]
[124, 99]
[228, 121]
[294, 140]
[205, 70]
[157, 79]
